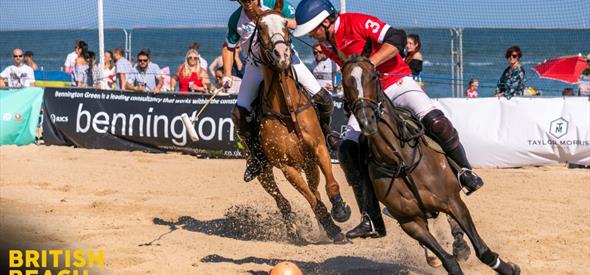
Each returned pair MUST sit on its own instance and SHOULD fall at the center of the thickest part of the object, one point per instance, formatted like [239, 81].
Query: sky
[82, 14]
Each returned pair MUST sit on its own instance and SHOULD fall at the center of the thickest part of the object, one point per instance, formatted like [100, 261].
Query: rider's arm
[386, 52]
[393, 41]
[227, 54]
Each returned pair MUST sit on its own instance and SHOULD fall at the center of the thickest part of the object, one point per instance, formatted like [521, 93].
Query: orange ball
[285, 268]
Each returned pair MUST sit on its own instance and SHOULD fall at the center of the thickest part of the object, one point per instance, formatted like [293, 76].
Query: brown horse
[413, 180]
[290, 133]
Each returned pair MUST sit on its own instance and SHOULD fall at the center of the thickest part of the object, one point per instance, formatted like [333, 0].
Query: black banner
[121, 120]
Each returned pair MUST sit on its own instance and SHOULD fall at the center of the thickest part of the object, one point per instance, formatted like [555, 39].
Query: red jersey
[184, 82]
[351, 31]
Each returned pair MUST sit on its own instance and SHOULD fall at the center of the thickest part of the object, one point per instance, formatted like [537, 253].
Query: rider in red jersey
[348, 33]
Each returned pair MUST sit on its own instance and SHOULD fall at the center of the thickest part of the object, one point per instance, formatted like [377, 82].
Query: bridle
[267, 50]
[363, 101]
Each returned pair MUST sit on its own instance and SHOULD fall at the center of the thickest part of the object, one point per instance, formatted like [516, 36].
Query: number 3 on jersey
[372, 25]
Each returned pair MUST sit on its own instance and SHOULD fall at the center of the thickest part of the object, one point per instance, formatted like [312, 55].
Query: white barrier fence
[497, 132]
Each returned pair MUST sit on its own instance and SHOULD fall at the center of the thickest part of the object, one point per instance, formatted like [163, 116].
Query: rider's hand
[226, 82]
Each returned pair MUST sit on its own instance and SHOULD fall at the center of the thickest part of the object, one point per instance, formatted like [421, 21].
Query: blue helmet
[310, 14]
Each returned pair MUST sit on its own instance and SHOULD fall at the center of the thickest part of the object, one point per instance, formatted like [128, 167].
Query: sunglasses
[142, 60]
[192, 58]
[316, 52]
[15, 56]
[513, 56]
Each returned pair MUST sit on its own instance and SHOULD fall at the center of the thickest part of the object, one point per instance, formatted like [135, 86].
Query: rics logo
[558, 127]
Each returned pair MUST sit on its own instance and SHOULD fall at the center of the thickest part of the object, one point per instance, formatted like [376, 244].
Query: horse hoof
[297, 240]
[433, 261]
[341, 239]
[341, 212]
[515, 268]
[461, 250]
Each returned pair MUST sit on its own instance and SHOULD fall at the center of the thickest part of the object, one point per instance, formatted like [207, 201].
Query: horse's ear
[279, 6]
[368, 48]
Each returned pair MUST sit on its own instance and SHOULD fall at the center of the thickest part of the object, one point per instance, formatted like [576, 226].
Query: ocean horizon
[483, 50]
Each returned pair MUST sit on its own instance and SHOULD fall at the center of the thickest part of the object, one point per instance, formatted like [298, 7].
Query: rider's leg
[410, 95]
[350, 157]
[438, 126]
[321, 98]
[245, 123]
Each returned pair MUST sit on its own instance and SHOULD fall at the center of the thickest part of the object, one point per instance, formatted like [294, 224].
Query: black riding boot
[372, 224]
[442, 131]
[248, 132]
[325, 106]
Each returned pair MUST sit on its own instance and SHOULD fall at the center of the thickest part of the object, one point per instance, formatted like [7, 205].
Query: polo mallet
[189, 122]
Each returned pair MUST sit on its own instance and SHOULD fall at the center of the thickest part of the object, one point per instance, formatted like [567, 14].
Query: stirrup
[466, 189]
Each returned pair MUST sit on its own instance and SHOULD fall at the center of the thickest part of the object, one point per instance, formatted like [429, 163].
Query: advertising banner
[119, 120]
[19, 109]
[497, 132]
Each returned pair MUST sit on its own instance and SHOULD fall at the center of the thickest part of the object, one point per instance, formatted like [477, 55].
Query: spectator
[472, 88]
[30, 61]
[324, 69]
[584, 80]
[234, 89]
[237, 68]
[568, 92]
[19, 74]
[107, 82]
[413, 57]
[512, 81]
[71, 58]
[191, 76]
[147, 76]
[83, 72]
[197, 47]
[122, 68]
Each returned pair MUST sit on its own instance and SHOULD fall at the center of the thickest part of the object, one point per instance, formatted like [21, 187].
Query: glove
[226, 82]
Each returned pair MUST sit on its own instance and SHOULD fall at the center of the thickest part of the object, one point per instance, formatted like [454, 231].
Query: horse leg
[267, 180]
[461, 250]
[340, 210]
[459, 211]
[435, 228]
[312, 174]
[418, 230]
[319, 209]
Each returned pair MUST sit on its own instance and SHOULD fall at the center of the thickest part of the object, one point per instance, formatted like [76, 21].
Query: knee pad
[439, 127]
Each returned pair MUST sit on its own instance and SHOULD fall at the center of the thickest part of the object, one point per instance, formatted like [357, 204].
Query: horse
[412, 179]
[290, 133]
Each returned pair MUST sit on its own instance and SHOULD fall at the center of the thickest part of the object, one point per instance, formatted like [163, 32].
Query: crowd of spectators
[193, 74]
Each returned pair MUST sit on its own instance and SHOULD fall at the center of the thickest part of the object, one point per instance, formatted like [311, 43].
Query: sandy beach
[177, 214]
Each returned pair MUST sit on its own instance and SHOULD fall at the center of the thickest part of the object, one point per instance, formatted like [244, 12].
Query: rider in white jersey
[241, 26]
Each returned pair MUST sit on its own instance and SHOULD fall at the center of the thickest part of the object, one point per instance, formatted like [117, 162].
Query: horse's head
[362, 90]
[273, 36]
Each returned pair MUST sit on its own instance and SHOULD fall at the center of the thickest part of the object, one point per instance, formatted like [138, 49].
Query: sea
[483, 50]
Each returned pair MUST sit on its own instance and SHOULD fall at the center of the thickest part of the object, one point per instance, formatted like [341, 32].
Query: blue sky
[79, 14]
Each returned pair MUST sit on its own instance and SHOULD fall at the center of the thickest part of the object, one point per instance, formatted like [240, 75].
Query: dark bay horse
[290, 133]
[409, 177]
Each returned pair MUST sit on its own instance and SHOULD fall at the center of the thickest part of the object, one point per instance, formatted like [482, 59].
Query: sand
[126, 203]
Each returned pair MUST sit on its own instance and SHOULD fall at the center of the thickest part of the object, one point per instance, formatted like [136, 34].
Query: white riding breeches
[253, 76]
[405, 93]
